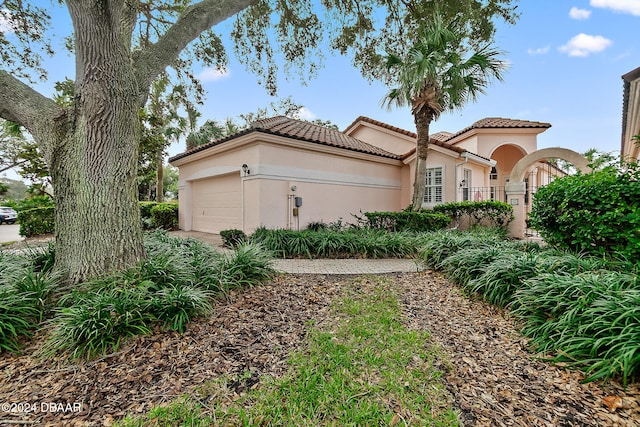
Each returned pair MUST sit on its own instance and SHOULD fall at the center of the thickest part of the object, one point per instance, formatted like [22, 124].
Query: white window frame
[467, 175]
[431, 196]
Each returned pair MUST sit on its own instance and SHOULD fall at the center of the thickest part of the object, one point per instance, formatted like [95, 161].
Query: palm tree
[439, 72]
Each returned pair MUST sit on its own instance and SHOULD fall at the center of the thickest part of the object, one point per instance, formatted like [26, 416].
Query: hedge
[165, 215]
[36, 221]
[488, 212]
[407, 221]
[597, 212]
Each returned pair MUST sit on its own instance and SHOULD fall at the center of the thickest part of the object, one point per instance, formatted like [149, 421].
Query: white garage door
[217, 204]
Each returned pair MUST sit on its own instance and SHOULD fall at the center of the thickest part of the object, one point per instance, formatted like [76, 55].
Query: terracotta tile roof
[441, 136]
[306, 131]
[382, 125]
[499, 122]
[300, 130]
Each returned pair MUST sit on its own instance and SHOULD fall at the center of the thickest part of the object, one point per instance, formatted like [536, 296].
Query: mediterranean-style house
[287, 173]
[630, 149]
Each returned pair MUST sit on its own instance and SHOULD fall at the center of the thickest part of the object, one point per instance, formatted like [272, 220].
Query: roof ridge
[302, 130]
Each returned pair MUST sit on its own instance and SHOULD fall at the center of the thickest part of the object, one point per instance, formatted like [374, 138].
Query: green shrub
[591, 320]
[232, 238]
[174, 284]
[31, 203]
[468, 264]
[165, 216]
[407, 221]
[597, 212]
[24, 300]
[97, 322]
[36, 221]
[434, 248]
[502, 277]
[17, 319]
[248, 265]
[488, 213]
[145, 213]
[352, 242]
[176, 305]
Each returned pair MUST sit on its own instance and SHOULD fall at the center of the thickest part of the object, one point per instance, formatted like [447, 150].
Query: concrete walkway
[346, 266]
[321, 266]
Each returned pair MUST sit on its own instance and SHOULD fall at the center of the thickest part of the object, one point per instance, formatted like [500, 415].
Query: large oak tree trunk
[422, 121]
[94, 169]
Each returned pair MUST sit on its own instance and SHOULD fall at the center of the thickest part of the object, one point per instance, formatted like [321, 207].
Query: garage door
[217, 204]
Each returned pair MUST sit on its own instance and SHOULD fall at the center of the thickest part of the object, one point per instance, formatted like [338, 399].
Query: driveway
[9, 233]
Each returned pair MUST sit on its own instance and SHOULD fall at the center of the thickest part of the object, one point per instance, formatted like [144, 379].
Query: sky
[566, 61]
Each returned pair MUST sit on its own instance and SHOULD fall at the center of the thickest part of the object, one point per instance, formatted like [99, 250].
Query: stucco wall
[333, 183]
[383, 138]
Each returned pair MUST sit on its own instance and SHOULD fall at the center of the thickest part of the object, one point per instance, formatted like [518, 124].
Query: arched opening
[518, 186]
[506, 157]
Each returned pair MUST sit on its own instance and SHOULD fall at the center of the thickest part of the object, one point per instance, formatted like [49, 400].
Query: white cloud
[584, 45]
[625, 6]
[306, 114]
[577, 13]
[539, 51]
[5, 22]
[213, 74]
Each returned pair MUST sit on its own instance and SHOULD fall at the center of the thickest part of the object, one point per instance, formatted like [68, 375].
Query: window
[466, 184]
[494, 173]
[434, 189]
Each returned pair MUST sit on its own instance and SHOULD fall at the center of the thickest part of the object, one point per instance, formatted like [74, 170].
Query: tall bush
[489, 212]
[597, 212]
[36, 221]
[165, 215]
[407, 221]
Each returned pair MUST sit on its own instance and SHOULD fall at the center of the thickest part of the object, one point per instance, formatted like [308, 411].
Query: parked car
[8, 215]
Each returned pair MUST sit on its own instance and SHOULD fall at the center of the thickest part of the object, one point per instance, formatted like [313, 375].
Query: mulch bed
[493, 380]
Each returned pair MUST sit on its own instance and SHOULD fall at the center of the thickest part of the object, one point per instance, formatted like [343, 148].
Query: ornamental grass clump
[590, 320]
[247, 266]
[332, 243]
[504, 275]
[176, 283]
[435, 247]
[466, 265]
[176, 305]
[98, 322]
[24, 299]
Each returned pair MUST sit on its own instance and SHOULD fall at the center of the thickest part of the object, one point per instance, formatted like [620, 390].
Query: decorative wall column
[515, 197]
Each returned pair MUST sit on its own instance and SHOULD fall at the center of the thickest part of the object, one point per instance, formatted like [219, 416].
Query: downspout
[466, 159]
[242, 197]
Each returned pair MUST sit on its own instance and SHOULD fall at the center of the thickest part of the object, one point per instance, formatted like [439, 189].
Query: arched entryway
[516, 188]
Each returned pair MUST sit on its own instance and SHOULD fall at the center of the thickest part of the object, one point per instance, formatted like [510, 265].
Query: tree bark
[94, 170]
[91, 148]
[422, 120]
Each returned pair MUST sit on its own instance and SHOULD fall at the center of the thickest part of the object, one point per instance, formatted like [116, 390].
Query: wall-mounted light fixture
[245, 169]
[462, 183]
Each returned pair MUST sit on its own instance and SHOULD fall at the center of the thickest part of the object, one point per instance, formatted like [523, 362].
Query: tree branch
[40, 115]
[151, 61]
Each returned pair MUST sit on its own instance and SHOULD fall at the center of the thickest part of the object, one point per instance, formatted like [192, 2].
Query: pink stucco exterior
[251, 179]
[333, 184]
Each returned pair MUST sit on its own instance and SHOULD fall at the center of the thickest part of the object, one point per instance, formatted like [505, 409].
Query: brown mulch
[494, 381]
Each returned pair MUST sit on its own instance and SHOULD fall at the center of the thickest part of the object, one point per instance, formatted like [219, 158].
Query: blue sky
[567, 59]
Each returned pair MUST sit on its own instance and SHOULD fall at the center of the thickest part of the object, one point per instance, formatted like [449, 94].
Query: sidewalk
[321, 266]
[346, 266]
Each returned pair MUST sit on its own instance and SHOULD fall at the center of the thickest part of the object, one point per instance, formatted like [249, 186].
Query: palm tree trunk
[159, 177]
[422, 120]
